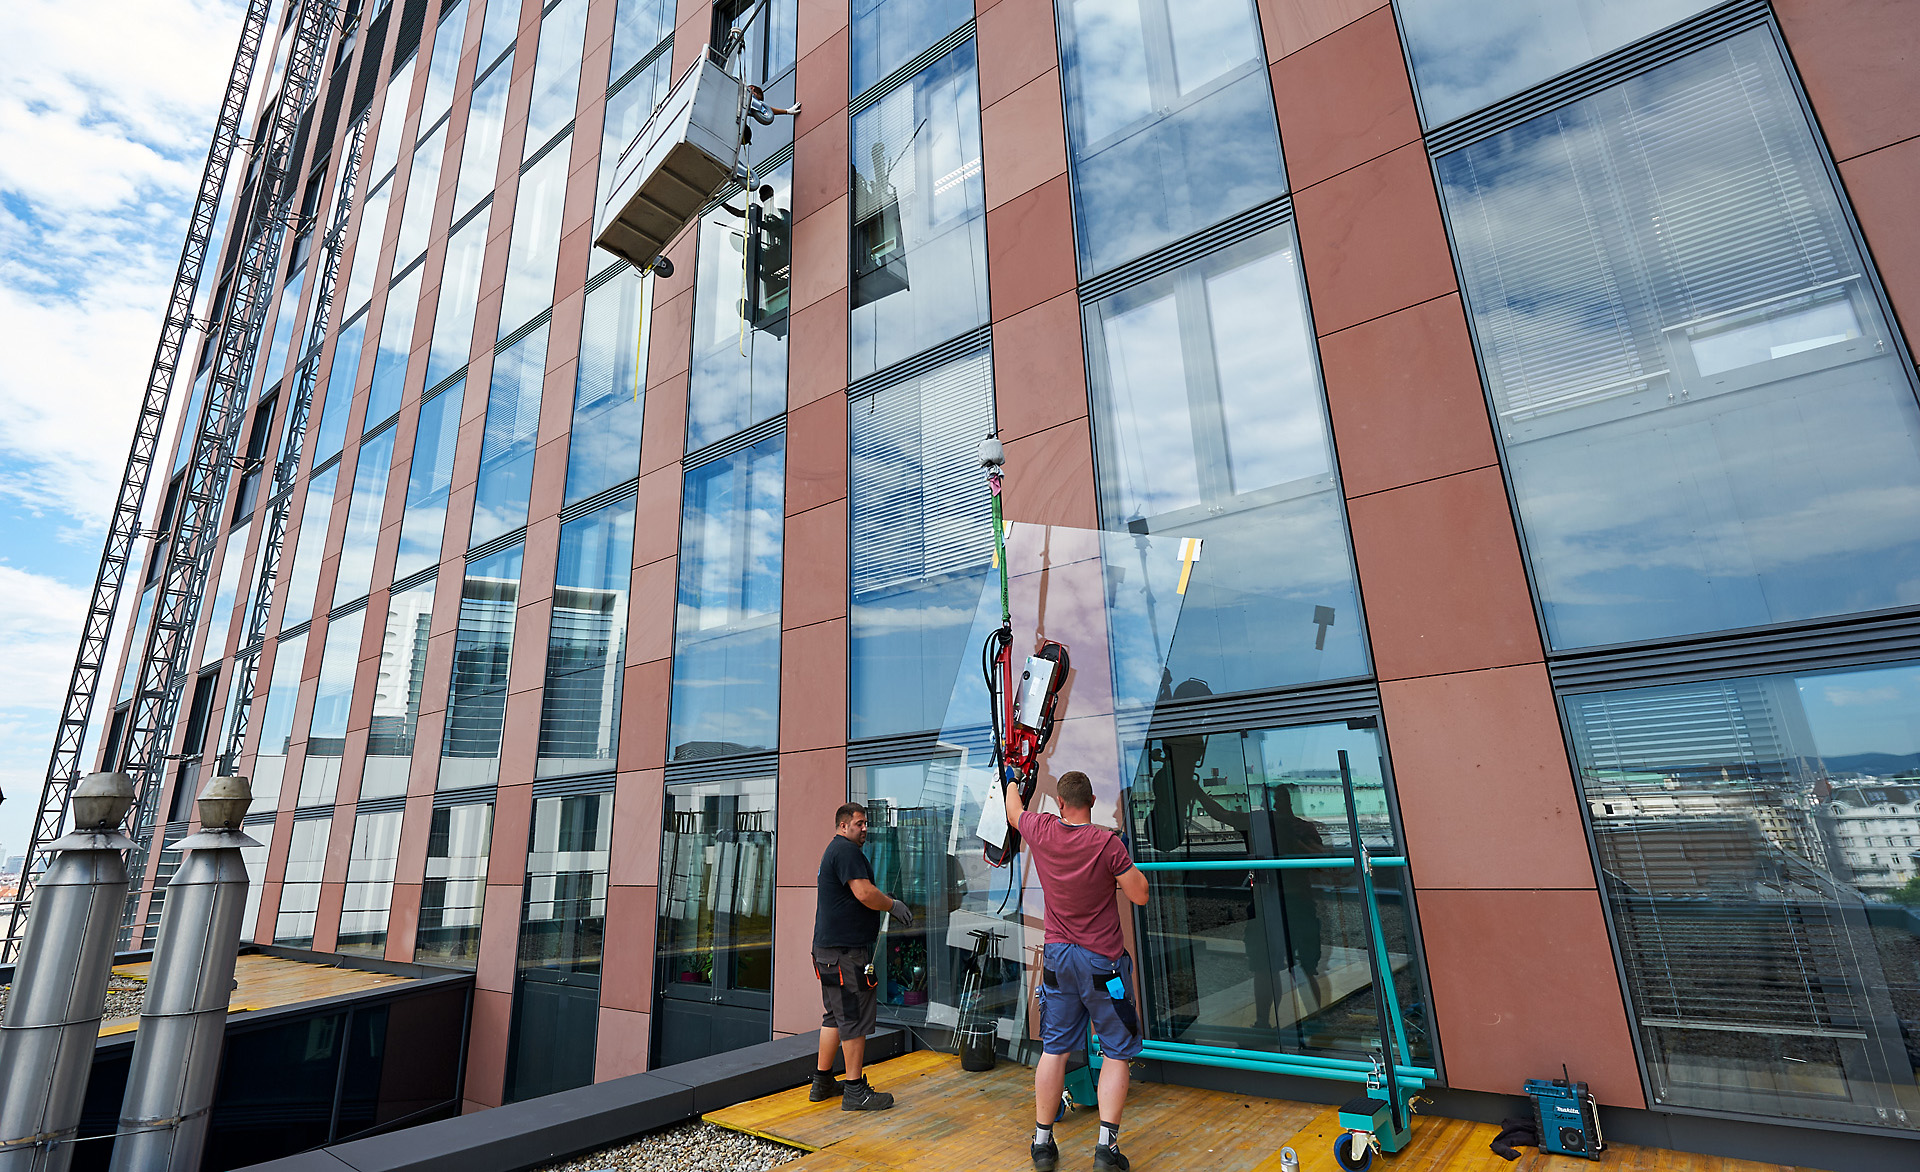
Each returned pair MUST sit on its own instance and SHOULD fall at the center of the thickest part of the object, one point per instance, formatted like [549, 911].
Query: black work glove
[901, 914]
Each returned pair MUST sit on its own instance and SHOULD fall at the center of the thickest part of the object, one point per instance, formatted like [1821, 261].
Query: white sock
[1109, 1134]
[1043, 1133]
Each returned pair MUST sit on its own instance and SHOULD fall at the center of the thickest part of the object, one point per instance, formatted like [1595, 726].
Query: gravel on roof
[685, 1147]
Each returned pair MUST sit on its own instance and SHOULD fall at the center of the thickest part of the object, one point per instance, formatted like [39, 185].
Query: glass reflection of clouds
[888, 33]
[1705, 422]
[609, 397]
[739, 361]
[506, 447]
[1172, 125]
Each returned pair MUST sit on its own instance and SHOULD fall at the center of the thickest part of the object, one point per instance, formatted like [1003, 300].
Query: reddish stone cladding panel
[1881, 186]
[812, 785]
[1290, 25]
[1343, 100]
[621, 1044]
[1860, 63]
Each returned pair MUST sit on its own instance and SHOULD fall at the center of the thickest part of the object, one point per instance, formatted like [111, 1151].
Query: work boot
[1106, 1157]
[824, 1087]
[856, 1095]
[1046, 1156]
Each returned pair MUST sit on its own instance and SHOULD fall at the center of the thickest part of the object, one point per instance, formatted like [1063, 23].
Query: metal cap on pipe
[224, 801]
[101, 801]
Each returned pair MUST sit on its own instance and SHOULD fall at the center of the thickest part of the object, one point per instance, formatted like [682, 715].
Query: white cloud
[39, 625]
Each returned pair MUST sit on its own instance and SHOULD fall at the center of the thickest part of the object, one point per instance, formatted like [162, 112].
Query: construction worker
[846, 923]
[1087, 975]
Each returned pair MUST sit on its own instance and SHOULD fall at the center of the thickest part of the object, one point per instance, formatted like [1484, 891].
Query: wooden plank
[267, 982]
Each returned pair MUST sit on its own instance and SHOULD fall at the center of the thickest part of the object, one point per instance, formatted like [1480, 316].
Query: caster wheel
[661, 267]
[1352, 1152]
[1066, 1101]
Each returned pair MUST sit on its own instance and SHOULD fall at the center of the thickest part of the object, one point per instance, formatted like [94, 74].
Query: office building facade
[1532, 375]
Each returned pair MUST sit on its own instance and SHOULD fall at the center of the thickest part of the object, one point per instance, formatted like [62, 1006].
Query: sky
[105, 112]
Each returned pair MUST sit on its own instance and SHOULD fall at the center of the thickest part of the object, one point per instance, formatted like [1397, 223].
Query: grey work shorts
[847, 995]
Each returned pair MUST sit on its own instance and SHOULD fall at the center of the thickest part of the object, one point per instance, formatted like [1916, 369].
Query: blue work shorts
[1075, 989]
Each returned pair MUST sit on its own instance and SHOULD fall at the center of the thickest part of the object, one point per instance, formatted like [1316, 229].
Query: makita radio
[1565, 1116]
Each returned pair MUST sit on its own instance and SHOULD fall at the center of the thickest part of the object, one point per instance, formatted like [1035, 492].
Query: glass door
[556, 1001]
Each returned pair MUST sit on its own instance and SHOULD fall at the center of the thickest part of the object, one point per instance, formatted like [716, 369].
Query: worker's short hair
[1076, 792]
[847, 813]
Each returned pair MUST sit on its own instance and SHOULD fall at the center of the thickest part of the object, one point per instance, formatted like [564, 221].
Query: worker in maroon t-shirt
[1088, 975]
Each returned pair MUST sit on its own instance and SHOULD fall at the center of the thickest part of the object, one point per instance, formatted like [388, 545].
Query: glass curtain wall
[715, 971]
[1270, 959]
[486, 117]
[357, 546]
[397, 692]
[889, 33]
[300, 888]
[452, 340]
[482, 652]
[533, 253]
[369, 892]
[1757, 845]
[739, 362]
[429, 481]
[556, 1003]
[390, 356]
[919, 215]
[226, 589]
[1170, 121]
[330, 433]
[587, 645]
[1210, 423]
[1680, 334]
[454, 892]
[303, 580]
[609, 391]
[726, 661]
[276, 721]
[506, 447]
[556, 73]
[922, 542]
[332, 701]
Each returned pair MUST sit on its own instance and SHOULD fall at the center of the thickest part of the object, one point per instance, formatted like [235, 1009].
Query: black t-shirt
[841, 920]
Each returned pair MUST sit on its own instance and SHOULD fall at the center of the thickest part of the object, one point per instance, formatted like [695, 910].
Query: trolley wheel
[1353, 1150]
[661, 267]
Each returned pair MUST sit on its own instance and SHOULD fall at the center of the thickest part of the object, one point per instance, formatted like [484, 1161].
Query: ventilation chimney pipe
[53, 1015]
[176, 1053]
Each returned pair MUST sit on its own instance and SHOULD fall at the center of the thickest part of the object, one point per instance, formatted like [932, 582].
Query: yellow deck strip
[268, 982]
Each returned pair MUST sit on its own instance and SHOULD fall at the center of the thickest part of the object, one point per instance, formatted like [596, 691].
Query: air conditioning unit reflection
[688, 150]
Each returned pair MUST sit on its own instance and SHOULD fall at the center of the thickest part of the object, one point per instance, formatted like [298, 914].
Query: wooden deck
[268, 982]
[945, 1118]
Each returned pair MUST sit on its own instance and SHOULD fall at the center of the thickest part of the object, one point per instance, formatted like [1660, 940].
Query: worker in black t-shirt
[845, 926]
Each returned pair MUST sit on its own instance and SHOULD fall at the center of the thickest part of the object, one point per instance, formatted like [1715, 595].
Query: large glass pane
[726, 662]
[739, 374]
[480, 153]
[300, 889]
[366, 253]
[716, 892]
[254, 858]
[1265, 959]
[130, 672]
[562, 932]
[506, 446]
[276, 722]
[363, 517]
[396, 341]
[587, 646]
[195, 402]
[370, 866]
[303, 582]
[1170, 122]
[482, 651]
[1469, 53]
[609, 393]
[497, 32]
[332, 701]
[397, 692]
[919, 215]
[627, 109]
[423, 185]
[535, 248]
[1705, 421]
[429, 479]
[284, 320]
[556, 73]
[393, 120]
[331, 435]
[444, 64]
[220, 608]
[638, 25]
[922, 542]
[459, 299]
[888, 33]
[454, 893]
[1211, 424]
[1757, 849]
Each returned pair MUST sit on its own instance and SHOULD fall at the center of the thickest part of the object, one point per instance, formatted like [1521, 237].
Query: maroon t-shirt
[1077, 866]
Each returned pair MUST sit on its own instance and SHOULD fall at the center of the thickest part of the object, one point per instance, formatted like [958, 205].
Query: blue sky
[105, 110]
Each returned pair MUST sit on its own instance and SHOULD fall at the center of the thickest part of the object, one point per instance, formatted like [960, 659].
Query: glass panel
[888, 33]
[482, 651]
[370, 867]
[194, 402]
[922, 543]
[627, 110]
[300, 891]
[284, 320]
[363, 517]
[609, 393]
[136, 646]
[919, 215]
[1170, 121]
[556, 73]
[726, 661]
[716, 890]
[766, 59]
[501, 26]
[1680, 335]
[1211, 424]
[396, 341]
[587, 645]
[1467, 54]
[366, 254]
[739, 372]
[393, 120]
[397, 692]
[638, 25]
[480, 153]
[506, 447]
[331, 435]
[254, 858]
[429, 479]
[535, 248]
[459, 299]
[220, 610]
[443, 70]
[455, 890]
[1757, 848]
[423, 185]
[564, 923]
[304, 580]
[332, 701]
[276, 722]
